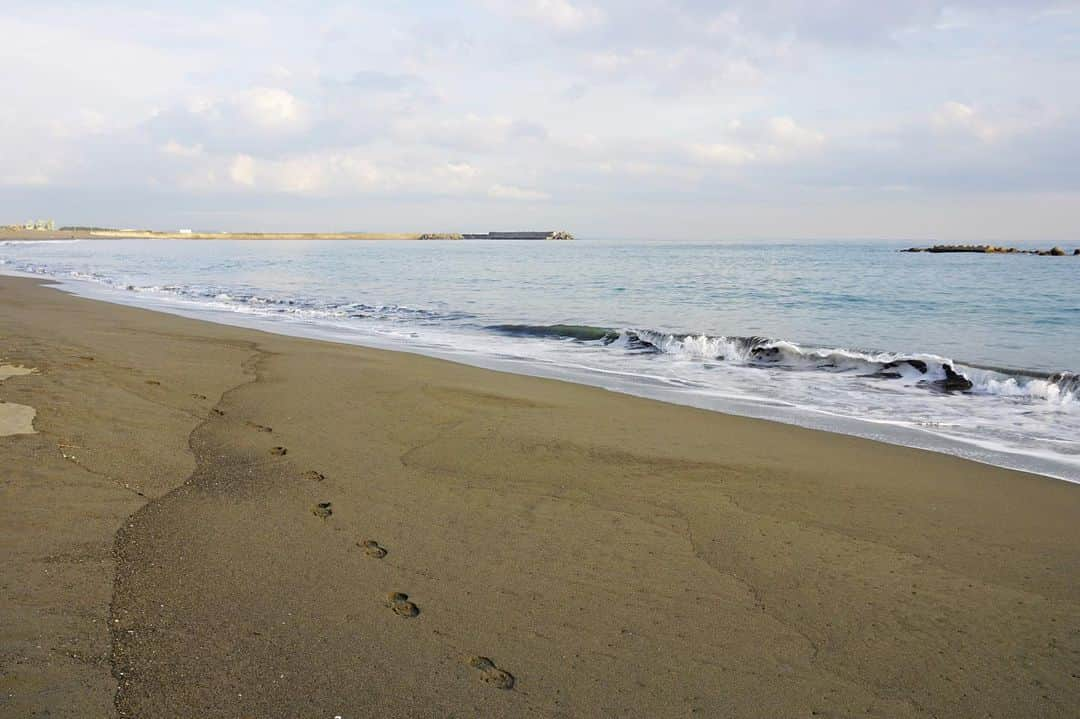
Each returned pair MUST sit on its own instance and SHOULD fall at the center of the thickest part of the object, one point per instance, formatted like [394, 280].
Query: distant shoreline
[161, 235]
[105, 234]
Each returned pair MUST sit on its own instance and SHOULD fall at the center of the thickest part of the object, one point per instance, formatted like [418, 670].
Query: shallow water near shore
[849, 337]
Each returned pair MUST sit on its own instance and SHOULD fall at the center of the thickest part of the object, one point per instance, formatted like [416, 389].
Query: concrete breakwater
[530, 235]
[991, 250]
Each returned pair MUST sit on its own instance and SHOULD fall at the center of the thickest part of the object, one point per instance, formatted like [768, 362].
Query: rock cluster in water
[991, 250]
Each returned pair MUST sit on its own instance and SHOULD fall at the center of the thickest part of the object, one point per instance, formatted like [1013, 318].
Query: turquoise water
[851, 337]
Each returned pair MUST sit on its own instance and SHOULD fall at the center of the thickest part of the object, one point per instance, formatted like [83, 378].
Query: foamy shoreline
[480, 348]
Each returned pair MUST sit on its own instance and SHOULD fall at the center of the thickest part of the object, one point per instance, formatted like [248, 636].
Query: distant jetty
[548, 235]
[992, 250]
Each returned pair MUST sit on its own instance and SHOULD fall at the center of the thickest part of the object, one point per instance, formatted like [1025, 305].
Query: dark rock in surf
[634, 341]
[917, 364]
[766, 354]
[954, 381]
[1067, 382]
[1057, 252]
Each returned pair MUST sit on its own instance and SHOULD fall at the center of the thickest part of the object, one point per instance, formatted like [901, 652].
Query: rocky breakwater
[991, 250]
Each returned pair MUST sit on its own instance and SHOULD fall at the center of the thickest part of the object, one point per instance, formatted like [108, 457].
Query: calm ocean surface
[850, 337]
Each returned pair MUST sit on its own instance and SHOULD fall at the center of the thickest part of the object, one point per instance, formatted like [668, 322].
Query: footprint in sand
[372, 548]
[88, 358]
[153, 382]
[259, 427]
[399, 602]
[278, 451]
[313, 476]
[491, 674]
[218, 412]
[198, 396]
[322, 510]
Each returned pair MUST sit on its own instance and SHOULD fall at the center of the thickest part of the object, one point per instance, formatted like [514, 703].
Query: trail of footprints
[398, 602]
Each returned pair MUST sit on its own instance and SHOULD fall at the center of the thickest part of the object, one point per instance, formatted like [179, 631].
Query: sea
[967, 354]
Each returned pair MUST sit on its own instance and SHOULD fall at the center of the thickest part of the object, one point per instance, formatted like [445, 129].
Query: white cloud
[723, 153]
[271, 108]
[332, 173]
[779, 139]
[469, 131]
[787, 139]
[322, 173]
[561, 15]
[176, 149]
[462, 170]
[512, 192]
[242, 170]
[608, 61]
[23, 179]
[956, 116]
[78, 122]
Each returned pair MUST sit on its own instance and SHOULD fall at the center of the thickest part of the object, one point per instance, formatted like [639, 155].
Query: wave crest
[928, 370]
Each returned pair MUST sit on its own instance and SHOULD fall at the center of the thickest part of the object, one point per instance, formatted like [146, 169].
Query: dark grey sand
[568, 551]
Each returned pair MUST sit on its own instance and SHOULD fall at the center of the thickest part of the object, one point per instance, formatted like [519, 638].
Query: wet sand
[216, 522]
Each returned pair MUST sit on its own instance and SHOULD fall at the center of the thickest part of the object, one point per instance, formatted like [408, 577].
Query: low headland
[201, 520]
[992, 250]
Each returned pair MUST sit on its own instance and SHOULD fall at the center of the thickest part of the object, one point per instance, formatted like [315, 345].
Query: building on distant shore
[40, 225]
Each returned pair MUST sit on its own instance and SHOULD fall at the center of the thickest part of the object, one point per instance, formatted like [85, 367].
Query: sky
[764, 119]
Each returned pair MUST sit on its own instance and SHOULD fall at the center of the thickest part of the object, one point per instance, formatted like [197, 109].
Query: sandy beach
[218, 522]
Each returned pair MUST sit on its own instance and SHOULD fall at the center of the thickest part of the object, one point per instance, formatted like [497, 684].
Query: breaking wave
[933, 372]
